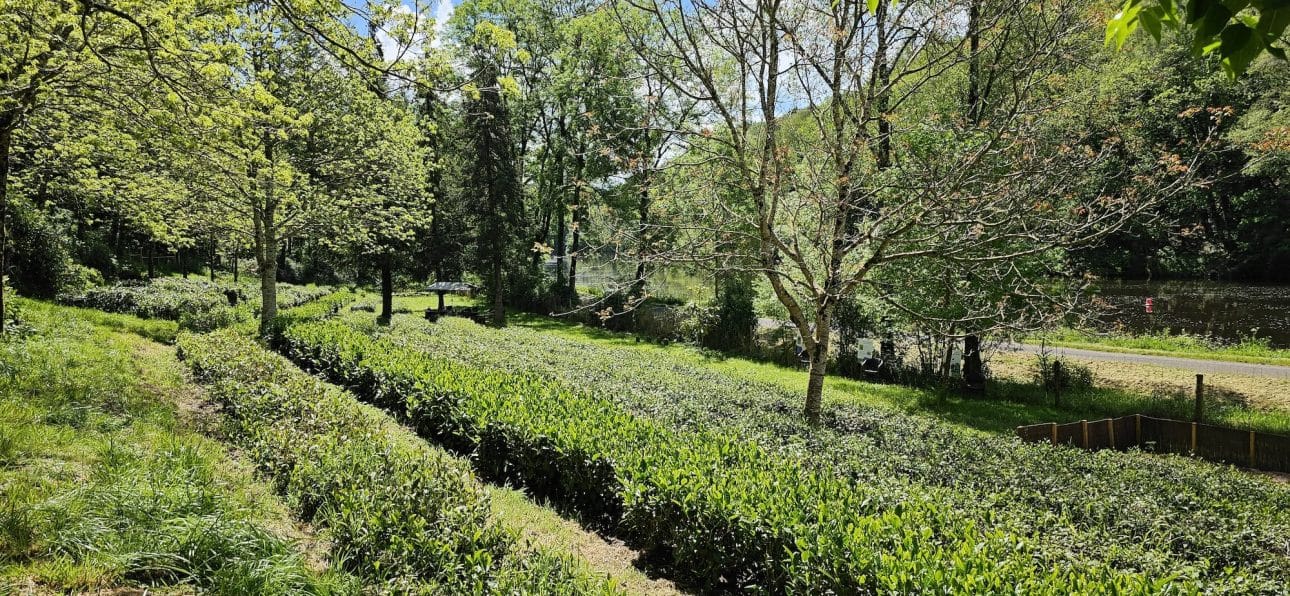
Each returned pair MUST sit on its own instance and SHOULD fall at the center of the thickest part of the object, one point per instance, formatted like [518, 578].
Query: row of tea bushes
[1156, 514]
[397, 510]
[726, 513]
[197, 304]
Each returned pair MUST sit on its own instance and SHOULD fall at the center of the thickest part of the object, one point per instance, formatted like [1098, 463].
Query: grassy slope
[1164, 344]
[106, 482]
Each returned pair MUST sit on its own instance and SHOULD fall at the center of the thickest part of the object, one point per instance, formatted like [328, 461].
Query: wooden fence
[1251, 449]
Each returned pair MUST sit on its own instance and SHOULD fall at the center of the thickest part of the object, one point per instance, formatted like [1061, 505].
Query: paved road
[1200, 366]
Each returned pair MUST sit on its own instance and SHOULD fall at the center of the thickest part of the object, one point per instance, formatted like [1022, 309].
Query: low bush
[396, 509]
[196, 304]
[726, 513]
[1107, 506]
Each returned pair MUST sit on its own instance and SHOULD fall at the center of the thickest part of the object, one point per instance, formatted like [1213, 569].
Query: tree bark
[974, 62]
[6, 141]
[642, 213]
[819, 362]
[498, 316]
[387, 289]
[267, 259]
[576, 219]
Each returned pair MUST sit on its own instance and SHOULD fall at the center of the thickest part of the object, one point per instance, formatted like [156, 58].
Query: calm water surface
[1226, 311]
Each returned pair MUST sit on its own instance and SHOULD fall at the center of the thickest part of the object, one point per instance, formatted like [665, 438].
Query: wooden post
[1193, 437]
[1252, 449]
[1083, 426]
[1110, 431]
[1054, 433]
[1200, 398]
[1137, 429]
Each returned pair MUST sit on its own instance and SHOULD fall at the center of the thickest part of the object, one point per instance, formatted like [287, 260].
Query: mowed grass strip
[105, 483]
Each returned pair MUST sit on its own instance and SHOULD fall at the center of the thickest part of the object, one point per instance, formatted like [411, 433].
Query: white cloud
[442, 14]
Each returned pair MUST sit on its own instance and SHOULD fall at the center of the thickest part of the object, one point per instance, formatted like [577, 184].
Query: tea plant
[733, 514]
[196, 304]
[396, 509]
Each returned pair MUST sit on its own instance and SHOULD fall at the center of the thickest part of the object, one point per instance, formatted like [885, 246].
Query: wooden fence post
[1252, 449]
[1054, 441]
[1200, 399]
[1083, 426]
[1137, 429]
[1110, 431]
[1193, 437]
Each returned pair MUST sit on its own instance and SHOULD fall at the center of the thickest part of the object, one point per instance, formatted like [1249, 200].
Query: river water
[1225, 311]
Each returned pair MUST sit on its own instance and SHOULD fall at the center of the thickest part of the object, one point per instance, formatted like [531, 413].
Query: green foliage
[1237, 31]
[397, 510]
[648, 446]
[196, 304]
[41, 260]
[735, 318]
[1059, 376]
[101, 485]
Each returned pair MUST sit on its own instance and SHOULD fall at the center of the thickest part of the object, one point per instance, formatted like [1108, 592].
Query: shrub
[1060, 376]
[41, 259]
[197, 304]
[396, 509]
[1107, 506]
[726, 512]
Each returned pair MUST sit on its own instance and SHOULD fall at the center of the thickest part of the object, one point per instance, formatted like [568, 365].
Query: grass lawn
[1012, 401]
[106, 480]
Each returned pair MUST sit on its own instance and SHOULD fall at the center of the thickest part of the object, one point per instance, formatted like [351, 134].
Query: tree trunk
[642, 212]
[267, 259]
[152, 259]
[118, 248]
[498, 316]
[974, 62]
[819, 361]
[233, 255]
[387, 289]
[575, 219]
[182, 262]
[6, 137]
[214, 254]
[573, 257]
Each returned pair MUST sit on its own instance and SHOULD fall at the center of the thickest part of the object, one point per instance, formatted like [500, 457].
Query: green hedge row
[726, 513]
[396, 510]
[197, 304]
[1159, 515]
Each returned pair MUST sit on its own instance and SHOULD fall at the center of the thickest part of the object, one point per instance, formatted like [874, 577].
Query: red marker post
[1150, 304]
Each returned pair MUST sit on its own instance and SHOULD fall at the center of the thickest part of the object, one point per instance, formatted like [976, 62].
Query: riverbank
[1163, 344]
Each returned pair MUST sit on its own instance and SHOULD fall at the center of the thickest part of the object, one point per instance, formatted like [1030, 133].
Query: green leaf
[1240, 47]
